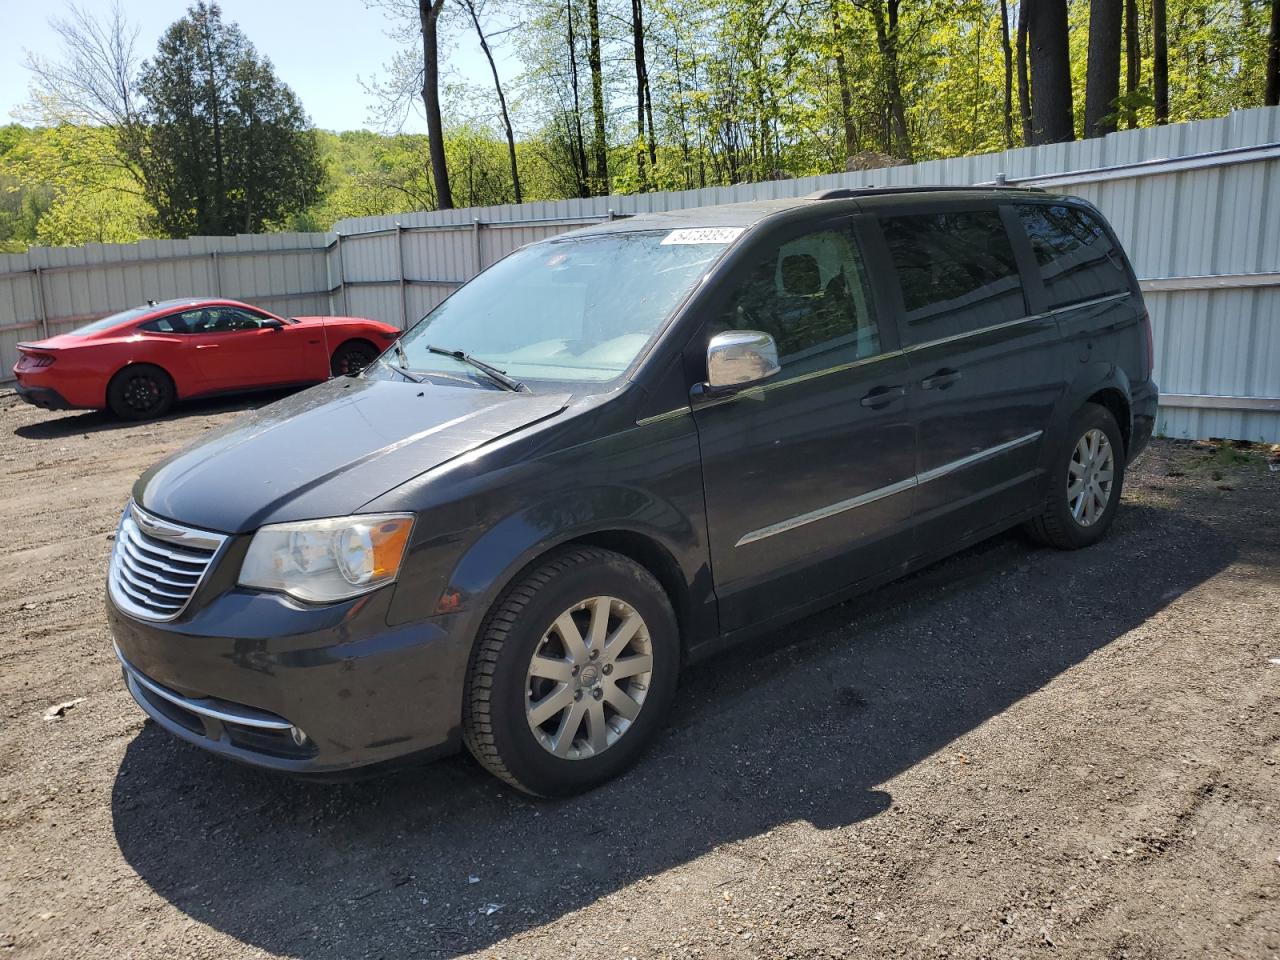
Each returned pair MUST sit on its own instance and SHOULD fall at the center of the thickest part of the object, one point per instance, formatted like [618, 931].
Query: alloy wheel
[1090, 476]
[142, 393]
[588, 678]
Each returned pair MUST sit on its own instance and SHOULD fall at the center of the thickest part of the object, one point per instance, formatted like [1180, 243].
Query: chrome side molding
[871, 496]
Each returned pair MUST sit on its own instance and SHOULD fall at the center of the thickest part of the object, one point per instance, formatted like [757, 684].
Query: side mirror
[738, 357]
[271, 323]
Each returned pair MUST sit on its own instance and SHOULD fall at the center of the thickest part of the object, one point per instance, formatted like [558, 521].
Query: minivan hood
[329, 450]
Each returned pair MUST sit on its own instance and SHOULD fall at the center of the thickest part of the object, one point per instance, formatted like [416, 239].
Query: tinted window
[810, 295]
[956, 271]
[223, 320]
[174, 323]
[1077, 259]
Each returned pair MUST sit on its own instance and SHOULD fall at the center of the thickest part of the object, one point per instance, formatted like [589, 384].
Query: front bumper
[46, 398]
[245, 675]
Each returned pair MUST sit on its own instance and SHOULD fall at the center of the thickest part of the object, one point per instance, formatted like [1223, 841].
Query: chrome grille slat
[156, 565]
[173, 556]
[137, 558]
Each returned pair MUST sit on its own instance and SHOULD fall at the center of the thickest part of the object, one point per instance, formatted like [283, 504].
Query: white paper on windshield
[703, 235]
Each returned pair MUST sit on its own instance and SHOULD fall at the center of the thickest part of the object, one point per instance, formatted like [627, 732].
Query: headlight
[325, 560]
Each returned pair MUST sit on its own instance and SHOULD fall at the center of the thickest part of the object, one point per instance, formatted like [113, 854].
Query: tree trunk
[1102, 77]
[579, 145]
[1272, 95]
[1008, 74]
[214, 104]
[597, 98]
[1160, 60]
[887, 42]
[642, 82]
[428, 16]
[1024, 85]
[1133, 62]
[502, 100]
[842, 78]
[1051, 114]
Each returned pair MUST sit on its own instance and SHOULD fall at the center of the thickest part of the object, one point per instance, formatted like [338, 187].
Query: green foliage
[228, 146]
[742, 90]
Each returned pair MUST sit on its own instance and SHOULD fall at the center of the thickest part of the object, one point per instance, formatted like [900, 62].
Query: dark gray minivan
[617, 451]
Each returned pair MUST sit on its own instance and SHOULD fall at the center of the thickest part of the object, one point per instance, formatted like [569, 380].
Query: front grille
[157, 565]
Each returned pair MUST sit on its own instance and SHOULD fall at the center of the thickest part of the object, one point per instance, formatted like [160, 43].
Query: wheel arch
[1114, 400]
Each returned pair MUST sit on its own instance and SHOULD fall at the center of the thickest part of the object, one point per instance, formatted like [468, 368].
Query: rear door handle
[940, 380]
[880, 396]
[206, 346]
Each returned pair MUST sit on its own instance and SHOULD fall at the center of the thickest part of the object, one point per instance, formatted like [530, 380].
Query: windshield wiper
[494, 374]
[403, 366]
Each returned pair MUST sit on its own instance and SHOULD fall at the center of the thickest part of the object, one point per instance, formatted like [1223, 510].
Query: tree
[1160, 59]
[595, 65]
[884, 15]
[1271, 96]
[228, 145]
[1024, 83]
[1132, 61]
[1051, 115]
[1102, 78]
[428, 19]
[1008, 73]
[502, 100]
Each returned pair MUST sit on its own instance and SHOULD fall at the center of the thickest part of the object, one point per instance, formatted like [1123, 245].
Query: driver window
[225, 320]
[810, 295]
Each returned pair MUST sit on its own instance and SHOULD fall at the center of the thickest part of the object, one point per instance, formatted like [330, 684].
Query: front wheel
[573, 674]
[351, 358]
[1085, 482]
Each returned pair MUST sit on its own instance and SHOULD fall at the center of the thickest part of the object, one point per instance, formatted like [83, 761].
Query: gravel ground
[1014, 753]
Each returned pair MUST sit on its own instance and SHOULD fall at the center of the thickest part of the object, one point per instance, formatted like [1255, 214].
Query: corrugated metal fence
[1197, 206]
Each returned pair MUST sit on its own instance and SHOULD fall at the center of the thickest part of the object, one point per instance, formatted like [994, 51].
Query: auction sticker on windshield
[703, 235]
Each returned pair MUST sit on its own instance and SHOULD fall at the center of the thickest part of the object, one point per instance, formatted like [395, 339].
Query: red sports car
[138, 362]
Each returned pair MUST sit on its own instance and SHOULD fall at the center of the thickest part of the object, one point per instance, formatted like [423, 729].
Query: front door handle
[940, 380]
[206, 346]
[880, 396]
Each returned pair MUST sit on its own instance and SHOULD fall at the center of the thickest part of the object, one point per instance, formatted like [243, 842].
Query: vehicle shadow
[61, 426]
[804, 725]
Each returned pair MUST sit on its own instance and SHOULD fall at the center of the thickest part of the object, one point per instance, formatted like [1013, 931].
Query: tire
[352, 357]
[502, 690]
[140, 391]
[1067, 521]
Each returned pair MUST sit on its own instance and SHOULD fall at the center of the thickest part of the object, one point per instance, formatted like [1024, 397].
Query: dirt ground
[1016, 753]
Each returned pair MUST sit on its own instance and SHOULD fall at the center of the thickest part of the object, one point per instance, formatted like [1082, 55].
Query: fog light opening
[300, 737]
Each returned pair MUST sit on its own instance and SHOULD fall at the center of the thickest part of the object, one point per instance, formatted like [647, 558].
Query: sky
[320, 48]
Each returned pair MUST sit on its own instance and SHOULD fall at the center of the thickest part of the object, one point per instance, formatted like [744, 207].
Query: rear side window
[174, 323]
[1077, 259]
[956, 270]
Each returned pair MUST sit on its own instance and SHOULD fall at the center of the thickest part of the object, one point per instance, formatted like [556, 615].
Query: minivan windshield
[577, 310]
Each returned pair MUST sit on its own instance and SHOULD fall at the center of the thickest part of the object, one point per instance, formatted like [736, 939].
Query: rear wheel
[573, 674]
[140, 392]
[1085, 482]
[352, 357]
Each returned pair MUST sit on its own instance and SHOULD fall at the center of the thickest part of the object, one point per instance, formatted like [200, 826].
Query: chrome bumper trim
[214, 710]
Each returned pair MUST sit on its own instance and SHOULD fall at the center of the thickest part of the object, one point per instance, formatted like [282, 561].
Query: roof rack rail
[842, 193]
